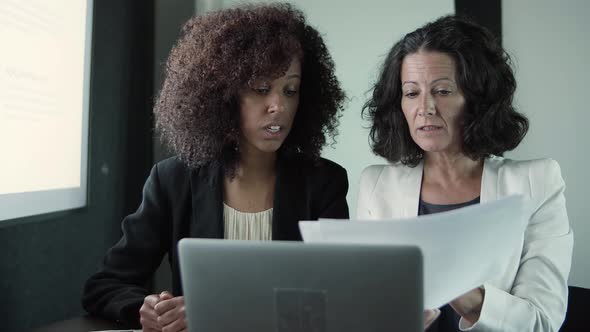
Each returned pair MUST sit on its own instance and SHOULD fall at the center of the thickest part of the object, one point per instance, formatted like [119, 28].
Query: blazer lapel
[410, 193]
[489, 179]
[287, 198]
[207, 202]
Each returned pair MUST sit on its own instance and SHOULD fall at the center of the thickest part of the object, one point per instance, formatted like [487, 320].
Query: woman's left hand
[171, 313]
[469, 305]
[430, 315]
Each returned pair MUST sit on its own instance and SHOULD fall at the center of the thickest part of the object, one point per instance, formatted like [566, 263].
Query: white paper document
[461, 249]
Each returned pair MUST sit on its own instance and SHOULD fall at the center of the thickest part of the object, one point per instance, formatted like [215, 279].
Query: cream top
[240, 225]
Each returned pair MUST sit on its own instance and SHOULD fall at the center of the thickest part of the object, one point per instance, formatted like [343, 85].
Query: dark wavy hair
[490, 124]
[221, 53]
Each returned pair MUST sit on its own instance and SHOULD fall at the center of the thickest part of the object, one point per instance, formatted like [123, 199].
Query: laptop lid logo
[300, 310]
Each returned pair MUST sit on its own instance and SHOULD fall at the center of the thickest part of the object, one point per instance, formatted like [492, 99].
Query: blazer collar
[489, 179]
[413, 183]
[207, 201]
[287, 201]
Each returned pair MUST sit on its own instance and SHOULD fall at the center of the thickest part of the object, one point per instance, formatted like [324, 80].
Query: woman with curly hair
[249, 100]
[442, 115]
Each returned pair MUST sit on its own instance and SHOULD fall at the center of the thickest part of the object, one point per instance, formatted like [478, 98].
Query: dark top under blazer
[180, 202]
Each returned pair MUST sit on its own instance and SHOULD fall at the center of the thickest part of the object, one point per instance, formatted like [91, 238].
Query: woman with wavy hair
[249, 100]
[442, 115]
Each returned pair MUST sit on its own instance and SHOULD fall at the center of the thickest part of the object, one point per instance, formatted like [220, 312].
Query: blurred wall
[548, 41]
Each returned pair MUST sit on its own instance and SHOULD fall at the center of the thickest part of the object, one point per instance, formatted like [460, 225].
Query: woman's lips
[274, 131]
[429, 128]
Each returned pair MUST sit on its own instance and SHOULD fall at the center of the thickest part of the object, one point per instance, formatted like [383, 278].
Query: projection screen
[44, 101]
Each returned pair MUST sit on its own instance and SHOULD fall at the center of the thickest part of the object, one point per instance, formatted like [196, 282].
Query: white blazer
[530, 292]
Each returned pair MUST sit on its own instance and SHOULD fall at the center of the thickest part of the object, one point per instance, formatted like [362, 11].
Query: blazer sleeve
[117, 291]
[332, 192]
[538, 298]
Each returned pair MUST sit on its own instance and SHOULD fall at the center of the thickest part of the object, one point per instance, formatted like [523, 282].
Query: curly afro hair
[219, 54]
[490, 125]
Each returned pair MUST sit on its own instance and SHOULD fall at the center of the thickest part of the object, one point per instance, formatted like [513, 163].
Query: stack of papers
[461, 249]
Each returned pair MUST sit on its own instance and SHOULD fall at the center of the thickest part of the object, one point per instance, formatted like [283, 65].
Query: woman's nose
[427, 106]
[276, 104]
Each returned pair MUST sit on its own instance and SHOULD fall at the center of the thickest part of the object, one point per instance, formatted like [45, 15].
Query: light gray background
[549, 43]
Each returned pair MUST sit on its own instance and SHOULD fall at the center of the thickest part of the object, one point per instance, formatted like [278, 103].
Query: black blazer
[180, 202]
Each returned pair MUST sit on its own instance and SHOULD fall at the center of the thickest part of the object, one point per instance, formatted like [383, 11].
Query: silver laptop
[295, 287]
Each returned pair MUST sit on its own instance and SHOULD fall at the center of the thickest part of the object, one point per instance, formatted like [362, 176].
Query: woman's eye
[444, 92]
[262, 90]
[411, 94]
[290, 93]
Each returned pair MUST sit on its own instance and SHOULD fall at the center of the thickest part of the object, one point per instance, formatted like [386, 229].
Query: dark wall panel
[45, 259]
[487, 13]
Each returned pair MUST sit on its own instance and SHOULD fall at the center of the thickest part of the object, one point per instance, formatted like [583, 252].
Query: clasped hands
[163, 313]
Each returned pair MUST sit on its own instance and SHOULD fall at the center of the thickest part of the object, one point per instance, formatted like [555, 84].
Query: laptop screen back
[294, 287]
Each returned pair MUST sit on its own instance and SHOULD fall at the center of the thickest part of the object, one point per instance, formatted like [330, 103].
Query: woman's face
[267, 110]
[432, 102]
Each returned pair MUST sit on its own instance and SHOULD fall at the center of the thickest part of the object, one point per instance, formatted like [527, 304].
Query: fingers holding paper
[430, 315]
[469, 305]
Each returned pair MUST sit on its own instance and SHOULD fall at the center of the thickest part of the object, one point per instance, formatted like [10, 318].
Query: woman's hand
[147, 314]
[171, 313]
[430, 315]
[469, 305]
[163, 313]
